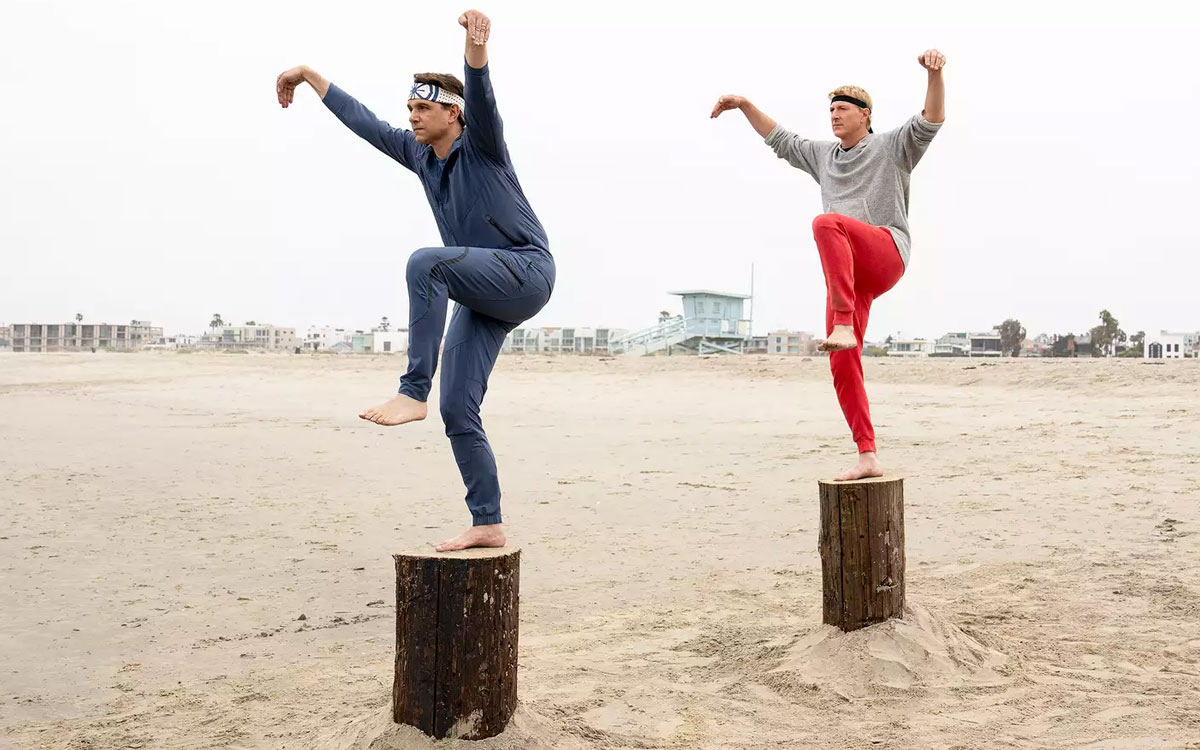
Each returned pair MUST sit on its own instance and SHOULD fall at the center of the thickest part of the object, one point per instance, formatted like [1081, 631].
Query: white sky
[147, 172]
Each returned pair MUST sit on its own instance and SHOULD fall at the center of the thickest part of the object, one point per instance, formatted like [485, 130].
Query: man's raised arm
[484, 127]
[935, 94]
[909, 142]
[479, 28]
[799, 152]
[398, 143]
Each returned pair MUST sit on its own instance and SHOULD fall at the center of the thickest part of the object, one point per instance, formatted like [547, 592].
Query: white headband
[431, 92]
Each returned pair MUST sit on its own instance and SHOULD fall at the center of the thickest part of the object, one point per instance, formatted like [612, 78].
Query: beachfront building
[986, 344]
[558, 340]
[380, 342]
[522, 341]
[324, 337]
[1084, 346]
[77, 337]
[181, 341]
[604, 338]
[1039, 346]
[1191, 344]
[5, 337]
[711, 323]
[905, 347]
[579, 340]
[1164, 345]
[1072, 345]
[554, 340]
[252, 336]
[953, 345]
[790, 343]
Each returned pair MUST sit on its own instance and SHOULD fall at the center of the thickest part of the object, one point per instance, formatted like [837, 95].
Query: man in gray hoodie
[862, 236]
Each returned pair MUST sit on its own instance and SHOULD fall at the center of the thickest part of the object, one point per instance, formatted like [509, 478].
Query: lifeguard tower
[711, 323]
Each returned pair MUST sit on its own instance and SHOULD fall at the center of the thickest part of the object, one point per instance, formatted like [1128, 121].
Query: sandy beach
[195, 552]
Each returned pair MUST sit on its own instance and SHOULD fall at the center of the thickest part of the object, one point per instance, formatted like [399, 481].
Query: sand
[195, 552]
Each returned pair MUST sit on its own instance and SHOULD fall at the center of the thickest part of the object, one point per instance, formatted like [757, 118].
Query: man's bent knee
[827, 221]
[422, 261]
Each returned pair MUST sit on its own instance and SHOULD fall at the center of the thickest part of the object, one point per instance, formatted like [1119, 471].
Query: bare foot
[868, 466]
[841, 339]
[476, 536]
[399, 410]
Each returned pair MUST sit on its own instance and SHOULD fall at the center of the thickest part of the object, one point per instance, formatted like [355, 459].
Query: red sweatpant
[861, 262]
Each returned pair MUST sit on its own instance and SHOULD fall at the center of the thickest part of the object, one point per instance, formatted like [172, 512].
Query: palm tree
[78, 317]
[383, 324]
[216, 321]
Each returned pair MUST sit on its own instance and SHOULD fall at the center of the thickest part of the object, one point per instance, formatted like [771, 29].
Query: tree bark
[862, 551]
[457, 619]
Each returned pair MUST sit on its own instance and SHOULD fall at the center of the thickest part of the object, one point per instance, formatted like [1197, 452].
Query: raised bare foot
[399, 410]
[476, 536]
[868, 466]
[841, 339]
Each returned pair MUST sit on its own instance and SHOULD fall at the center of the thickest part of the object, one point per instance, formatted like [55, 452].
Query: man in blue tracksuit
[496, 264]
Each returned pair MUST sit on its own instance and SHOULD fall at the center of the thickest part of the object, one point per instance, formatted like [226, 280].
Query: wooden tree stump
[456, 641]
[862, 551]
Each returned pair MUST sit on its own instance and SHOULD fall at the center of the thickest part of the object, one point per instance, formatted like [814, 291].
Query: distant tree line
[1105, 340]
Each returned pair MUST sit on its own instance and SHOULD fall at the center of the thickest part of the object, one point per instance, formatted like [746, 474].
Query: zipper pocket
[500, 229]
[504, 262]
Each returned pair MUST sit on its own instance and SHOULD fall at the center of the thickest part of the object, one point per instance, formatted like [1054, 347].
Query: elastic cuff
[413, 393]
[486, 520]
[843, 318]
[928, 125]
[335, 98]
[866, 446]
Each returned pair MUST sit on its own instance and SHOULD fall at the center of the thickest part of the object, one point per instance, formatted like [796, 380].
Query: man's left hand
[478, 26]
[932, 60]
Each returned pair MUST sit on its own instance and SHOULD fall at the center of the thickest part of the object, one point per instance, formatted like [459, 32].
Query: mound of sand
[527, 730]
[920, 651]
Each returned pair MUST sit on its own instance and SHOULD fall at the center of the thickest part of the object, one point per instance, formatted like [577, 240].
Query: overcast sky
[146, 170]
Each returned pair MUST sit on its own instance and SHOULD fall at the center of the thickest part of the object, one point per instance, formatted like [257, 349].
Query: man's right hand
[728, 102]
[288, 80]
[286, 83]
[762, 124]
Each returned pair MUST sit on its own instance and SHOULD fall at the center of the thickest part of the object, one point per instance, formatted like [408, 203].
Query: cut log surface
[862, 551]
[457, 619]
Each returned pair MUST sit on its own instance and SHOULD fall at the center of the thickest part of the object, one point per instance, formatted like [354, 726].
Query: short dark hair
[448, 83]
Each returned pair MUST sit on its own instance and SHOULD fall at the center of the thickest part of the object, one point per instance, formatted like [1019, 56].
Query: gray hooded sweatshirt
[870, 181]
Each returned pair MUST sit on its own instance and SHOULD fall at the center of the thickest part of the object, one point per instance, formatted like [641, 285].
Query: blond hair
[858, 92]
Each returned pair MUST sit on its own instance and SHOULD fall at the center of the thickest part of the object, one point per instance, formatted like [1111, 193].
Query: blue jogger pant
[495, 291]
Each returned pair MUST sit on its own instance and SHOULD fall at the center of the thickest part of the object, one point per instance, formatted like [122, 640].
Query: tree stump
[456, 641]
[862, 551]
